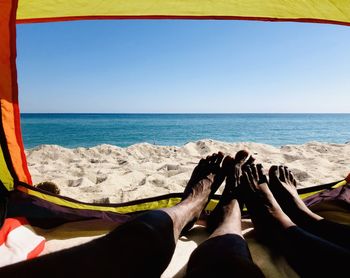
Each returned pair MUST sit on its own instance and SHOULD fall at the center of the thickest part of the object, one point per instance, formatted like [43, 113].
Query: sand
[113, 174]
[107, 173]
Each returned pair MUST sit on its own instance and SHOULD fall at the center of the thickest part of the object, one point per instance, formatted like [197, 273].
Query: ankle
[313, 216]
[306, 218]
[230, 220]
[283, 219]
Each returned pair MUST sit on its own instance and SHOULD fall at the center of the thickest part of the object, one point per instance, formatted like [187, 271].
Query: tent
[15, 179]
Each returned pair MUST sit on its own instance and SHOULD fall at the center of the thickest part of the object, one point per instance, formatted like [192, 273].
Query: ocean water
[86, 130]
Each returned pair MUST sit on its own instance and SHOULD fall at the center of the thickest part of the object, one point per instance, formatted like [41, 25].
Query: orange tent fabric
[13, 163]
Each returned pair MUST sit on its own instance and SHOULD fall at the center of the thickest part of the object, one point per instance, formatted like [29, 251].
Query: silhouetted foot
[206, 178]
[283, 187]
[267, 216]
[210, 165]
[231, 168]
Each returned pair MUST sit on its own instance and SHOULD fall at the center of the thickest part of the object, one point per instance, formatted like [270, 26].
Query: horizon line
[170, 113]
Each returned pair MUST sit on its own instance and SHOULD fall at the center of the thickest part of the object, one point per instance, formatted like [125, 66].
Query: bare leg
[206, 166]
[232, 169]
[191, 207]
[142, 247]
[231, 223]
[226, 217]
[225, 253]
[267, 216]
[276, 228]
[283, 187]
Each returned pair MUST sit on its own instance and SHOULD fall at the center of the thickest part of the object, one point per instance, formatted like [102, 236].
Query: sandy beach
[107, 173]
[114, 174]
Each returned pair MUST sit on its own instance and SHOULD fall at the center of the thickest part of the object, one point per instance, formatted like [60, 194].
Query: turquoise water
[86, 130]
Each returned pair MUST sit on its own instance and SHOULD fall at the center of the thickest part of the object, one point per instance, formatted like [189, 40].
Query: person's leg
[312, 256]
[142, 247]
[225, 253]
[283, 187]
[219, 178]
[308, 254]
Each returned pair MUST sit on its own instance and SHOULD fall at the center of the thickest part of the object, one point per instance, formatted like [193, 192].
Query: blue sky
[183, 66]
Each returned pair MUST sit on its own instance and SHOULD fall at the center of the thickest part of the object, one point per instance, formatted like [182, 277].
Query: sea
[87, 130]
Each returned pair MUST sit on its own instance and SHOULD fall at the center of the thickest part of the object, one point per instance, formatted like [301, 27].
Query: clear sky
[183, 66]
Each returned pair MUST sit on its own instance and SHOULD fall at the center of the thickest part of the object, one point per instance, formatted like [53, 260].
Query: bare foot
[267, 216]
[210, 165]
[283, 187]
[232, 170]
[206, 178]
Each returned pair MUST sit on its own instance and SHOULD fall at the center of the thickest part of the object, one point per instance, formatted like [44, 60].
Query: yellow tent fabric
[326, 11]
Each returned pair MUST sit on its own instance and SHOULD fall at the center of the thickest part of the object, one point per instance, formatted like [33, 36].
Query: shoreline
[124, 130]
[120, 174]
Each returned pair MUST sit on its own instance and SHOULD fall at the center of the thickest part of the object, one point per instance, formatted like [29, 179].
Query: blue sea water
[86, 130]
